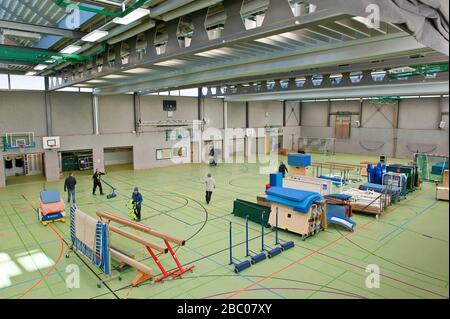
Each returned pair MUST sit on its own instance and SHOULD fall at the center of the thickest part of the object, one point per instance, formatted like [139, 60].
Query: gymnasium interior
[224, 149]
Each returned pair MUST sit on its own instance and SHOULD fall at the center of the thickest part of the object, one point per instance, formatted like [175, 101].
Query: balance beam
[138, 239]
[144, 272]
[132, 262]
[140, 227]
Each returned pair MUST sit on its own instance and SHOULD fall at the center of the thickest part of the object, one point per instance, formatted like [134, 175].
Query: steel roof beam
[348, 52]
[35, 12]
[21, 26]
[310, 82]
[291, 24]
[385, 64]
[413, 87]
[7, 10]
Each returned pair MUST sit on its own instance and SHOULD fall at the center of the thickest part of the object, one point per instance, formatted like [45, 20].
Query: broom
[112, 193]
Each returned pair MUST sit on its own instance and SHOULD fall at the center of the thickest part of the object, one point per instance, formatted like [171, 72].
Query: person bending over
[69, 187]
[137, 199]
[97, 181]
[210, 185]
[283, 169]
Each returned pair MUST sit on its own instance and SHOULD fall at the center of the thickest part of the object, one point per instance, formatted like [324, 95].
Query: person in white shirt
[210, 185]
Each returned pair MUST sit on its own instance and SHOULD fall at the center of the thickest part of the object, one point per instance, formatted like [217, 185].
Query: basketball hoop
[21, 148]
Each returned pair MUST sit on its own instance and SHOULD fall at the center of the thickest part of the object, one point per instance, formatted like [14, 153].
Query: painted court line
[51, 269]
[314, 252]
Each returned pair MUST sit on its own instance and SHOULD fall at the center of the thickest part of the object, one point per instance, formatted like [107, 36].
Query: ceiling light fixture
[70, 49]
[132, 16]
[95, 36]
[30, 73]
[138, 71]
[40, 67]
[114, 76]
[172, 62]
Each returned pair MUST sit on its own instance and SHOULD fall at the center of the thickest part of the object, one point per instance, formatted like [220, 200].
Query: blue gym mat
[50, 196]
[300, 200]
[339, 196]
[438, 168]
[299, 160]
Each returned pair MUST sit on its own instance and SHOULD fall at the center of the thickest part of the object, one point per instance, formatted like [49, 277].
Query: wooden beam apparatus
[140, 227]
[133, 263]
[138, 239]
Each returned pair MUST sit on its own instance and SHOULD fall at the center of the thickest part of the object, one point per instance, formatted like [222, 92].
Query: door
[195, 152]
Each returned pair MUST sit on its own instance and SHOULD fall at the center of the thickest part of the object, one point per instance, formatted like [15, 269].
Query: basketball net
[22, 148]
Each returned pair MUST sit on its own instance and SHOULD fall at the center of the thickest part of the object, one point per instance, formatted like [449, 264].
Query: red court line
[51, 269]
[311, 253]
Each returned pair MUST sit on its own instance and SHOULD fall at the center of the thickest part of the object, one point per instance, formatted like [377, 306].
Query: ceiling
[185, 43]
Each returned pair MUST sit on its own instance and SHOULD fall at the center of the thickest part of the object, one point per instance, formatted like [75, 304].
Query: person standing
[137, 199]
[210, 185]
[69, 187]
[97, 181]
[283, 169]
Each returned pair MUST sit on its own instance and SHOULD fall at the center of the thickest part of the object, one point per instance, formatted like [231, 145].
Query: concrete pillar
[137, 111]
[300, 113]
[444, 117]
[247, 141]
[199, 104]
[98, 155]
[329, 113]
[51, 164]
[227, 142]
[95, 113]
[2, 172]
[395, 127]
[48, 109]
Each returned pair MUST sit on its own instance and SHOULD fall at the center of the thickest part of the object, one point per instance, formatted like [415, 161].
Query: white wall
[118, 156]
[213, 113]
[71, 113]
[262, 113]
[22, 112]
[116, 114]
[314, 114]
[417, 126]
[236, 114]
[426, 114]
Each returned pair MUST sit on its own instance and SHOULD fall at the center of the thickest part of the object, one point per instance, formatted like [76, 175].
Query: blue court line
[246, 278]
[407, 222]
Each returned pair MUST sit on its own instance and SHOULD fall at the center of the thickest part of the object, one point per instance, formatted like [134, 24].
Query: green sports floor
[409, 242]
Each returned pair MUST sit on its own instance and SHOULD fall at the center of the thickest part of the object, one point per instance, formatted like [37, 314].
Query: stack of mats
[244, 209]
[51, 206]
[394, 191]
[438, 169]
[300, 201]
[299, 160]
[336, 180]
